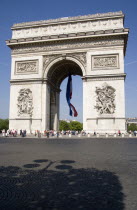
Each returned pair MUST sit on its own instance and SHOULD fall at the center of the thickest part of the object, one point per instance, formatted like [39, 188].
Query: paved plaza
[68, 174]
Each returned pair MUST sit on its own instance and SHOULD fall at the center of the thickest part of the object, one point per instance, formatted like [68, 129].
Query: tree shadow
[62, 188]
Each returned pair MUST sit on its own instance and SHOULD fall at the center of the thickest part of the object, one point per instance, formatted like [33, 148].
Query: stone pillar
[85, 98]
[54, 110]
[58, 108]
[45, 107]
[103, 92]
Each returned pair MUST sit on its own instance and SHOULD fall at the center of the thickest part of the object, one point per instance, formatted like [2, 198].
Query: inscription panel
[105, 62]
[26, 67]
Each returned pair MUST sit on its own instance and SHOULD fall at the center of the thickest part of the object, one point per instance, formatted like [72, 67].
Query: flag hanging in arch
[72, 110]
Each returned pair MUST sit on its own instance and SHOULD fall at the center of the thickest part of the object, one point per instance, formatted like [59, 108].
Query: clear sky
[17, 11]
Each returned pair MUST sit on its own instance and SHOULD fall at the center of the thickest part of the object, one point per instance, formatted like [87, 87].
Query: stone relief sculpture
[79, 56]
[26, 67]
[105, 61]
[25, 102]
[105, 102]
[61, 45]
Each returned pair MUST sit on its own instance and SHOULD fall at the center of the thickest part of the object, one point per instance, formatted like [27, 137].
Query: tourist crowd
[54, 133]
[13, 132]
[47, 133]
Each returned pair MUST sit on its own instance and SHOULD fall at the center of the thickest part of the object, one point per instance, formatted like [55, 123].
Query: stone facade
[43, 52]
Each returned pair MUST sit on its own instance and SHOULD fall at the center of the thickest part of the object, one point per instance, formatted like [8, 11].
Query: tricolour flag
[72, 109]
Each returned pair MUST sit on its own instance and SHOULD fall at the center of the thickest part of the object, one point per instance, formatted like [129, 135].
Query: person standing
[47, 134]
[21, 132]
[119, 133]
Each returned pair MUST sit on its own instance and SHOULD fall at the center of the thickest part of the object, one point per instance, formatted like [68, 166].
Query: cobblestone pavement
[68, 174]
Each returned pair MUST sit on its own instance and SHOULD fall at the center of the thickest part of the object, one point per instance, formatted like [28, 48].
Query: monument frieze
[26, 67]
[105, 62]
[20, 49]
[68, 25]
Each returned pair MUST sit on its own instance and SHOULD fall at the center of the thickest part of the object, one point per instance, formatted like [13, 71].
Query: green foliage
[76, 126]
[132, 127]
[4, 124]
[73, 125]
[63, 125]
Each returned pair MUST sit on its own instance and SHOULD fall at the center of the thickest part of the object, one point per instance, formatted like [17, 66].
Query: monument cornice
[70, 19]
[34, 81]
[101, 40]
[63, 37]
[100, 118]
[102, 77]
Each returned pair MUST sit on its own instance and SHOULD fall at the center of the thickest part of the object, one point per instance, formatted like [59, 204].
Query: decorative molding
[25, 82]
[47, 59]
[68, 25]
[26, 67]
[105, 99]
[104, 77]
[121, 32]
[34, 81]
[25, 118]
[25, 103]
[66, 19]
[106, 118]
[65, 45]
[80, 56]
[105, 62]
[68, 28]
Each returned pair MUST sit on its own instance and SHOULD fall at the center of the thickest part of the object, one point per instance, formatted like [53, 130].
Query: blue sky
[16, 11]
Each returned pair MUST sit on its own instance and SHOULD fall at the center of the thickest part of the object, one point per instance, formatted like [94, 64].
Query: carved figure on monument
[105, 102]
[105, 61]
[26, 67]
[25, 102]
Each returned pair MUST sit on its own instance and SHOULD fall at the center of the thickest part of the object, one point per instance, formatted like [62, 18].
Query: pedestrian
[135, 132]
[47, 133]
[13, 133]
[57, 134]
[119, 133]
[25, 132]
[39, 134]
[35, 133]
[21, 132]
[3, 132]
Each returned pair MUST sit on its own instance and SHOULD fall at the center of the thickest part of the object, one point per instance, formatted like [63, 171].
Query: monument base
[106, 125]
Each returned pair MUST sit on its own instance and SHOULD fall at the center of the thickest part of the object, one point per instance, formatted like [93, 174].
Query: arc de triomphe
[44, 52]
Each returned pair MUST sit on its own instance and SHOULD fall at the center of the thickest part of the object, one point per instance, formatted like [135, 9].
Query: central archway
[56, 72]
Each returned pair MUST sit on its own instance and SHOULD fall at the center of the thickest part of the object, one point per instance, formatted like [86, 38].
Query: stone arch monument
[44, 52]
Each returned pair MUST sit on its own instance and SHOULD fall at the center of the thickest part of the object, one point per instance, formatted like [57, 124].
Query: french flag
[72, 110]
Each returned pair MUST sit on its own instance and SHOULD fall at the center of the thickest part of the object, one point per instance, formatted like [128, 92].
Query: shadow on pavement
[62, 188]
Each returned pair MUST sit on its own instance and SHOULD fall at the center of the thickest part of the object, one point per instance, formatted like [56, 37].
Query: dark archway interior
[60, 70]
